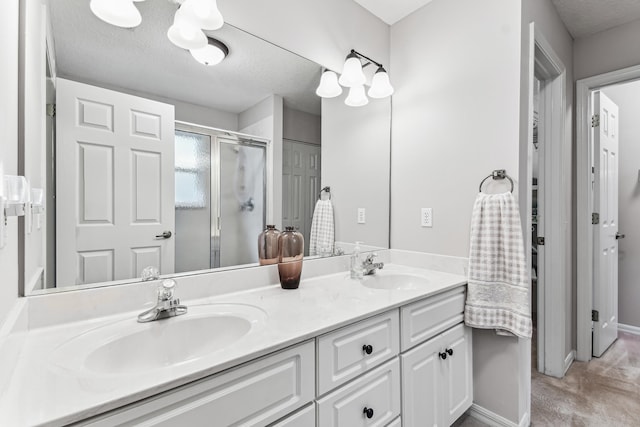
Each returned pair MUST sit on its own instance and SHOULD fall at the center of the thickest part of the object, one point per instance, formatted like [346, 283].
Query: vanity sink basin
[129, 347]
[395, 281]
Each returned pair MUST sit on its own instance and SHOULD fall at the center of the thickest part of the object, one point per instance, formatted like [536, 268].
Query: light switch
[426, 217]
[361, 216]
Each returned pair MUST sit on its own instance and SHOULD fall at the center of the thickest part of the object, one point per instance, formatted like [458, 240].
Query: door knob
[449, 351]
[368, 412]
[164, 235]
[443, 355]
[368, 349]
[619, 236]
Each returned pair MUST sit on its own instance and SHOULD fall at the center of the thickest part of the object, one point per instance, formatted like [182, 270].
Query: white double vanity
[387, 350]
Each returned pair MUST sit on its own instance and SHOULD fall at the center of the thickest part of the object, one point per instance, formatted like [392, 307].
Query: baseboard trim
[569, 360]
[488, 417]
[629, 329]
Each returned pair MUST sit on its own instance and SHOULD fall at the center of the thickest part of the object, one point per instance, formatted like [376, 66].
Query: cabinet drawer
[342, 354]
[378, 390]
[254, 394]
[303, 418]
[424, 319]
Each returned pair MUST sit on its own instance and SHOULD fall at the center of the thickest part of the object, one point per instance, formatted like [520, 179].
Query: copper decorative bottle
[291, 249]
[268, 246]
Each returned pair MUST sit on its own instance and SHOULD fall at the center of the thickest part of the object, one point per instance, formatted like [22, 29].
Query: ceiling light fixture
[121, 13]
[191, 18]
[212, 54]
[353, 78]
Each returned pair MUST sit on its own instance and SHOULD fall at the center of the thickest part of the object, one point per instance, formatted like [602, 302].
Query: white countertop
[40, 392]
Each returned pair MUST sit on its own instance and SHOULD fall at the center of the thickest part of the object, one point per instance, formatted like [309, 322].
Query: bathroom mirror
[146, 157]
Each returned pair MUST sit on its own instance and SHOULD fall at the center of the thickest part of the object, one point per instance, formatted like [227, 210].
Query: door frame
[584, 200]
[545, 64]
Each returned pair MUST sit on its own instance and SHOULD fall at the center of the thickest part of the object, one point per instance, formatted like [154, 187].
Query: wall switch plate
[426, 217]
[362, 219]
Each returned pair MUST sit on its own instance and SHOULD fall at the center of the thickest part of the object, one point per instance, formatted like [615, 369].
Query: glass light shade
[357, 97]
[380, 85]
[212, 54]
[204, 13]
[184, 33]
[352, 74]
[121, 13]
[329, 87]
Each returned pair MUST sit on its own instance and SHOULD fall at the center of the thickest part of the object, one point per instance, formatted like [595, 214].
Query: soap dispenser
[356, 263]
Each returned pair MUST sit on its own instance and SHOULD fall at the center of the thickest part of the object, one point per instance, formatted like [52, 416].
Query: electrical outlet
[426, 217]
[361, 216]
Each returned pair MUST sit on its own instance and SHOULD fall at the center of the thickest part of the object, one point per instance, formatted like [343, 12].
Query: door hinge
[595, 315]
[595, 218]
[595, 120]
[51, 110]
[540, 241]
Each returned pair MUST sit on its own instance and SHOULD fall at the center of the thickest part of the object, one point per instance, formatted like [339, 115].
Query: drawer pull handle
[368, 412]
[368, 349]
[443, 355]
[450, 351]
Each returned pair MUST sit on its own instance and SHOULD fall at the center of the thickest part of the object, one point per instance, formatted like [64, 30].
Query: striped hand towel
[498, 289]
[322, 237]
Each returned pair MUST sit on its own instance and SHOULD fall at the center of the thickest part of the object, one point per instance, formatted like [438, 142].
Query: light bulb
[213, 53]
[380, 85]
[357, 97]
[204, 14]
[121, 13]
[329, 87]
[352, 74]
[184, 33]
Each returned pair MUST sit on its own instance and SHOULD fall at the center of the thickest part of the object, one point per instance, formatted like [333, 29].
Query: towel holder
[497, 174]
[325, 189]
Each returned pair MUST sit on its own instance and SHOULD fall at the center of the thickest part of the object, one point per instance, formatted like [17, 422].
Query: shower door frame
[217, 137]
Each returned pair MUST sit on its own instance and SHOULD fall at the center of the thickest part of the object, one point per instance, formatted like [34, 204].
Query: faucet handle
[370, 257]
[166, 288]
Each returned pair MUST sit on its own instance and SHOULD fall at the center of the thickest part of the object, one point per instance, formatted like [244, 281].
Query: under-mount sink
[392, 280]
[127, 347]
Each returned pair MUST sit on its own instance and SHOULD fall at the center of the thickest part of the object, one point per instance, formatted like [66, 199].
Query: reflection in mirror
[150, 158]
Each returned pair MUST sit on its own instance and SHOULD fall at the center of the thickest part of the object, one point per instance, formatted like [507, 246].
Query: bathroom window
[192, 163]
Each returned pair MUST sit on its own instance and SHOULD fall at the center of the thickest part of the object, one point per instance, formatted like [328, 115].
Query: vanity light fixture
[329, 87]
[353, 78]
[191, 18]
[212, 54]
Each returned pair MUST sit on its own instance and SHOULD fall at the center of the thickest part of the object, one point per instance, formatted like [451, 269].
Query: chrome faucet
[369, 267]
[166, 306]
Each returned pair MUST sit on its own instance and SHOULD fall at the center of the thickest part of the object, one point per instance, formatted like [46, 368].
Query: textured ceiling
[391, 11]
[143, 59]
[586, 17]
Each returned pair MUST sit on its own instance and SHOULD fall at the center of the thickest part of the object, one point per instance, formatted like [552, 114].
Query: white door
[605, 283]
[301, 185]
[115, 185]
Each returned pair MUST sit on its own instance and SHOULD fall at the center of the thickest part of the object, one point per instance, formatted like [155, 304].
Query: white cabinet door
[372, 400]
[114, 184]
[422, 378]
[437, 382]
[458, 372]
[252, 395]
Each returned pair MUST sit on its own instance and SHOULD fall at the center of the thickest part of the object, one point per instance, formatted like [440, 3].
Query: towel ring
[497, 174]
[325, 189]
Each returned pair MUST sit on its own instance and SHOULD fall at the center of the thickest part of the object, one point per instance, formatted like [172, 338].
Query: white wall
[301, 126]
[549, 24]
[627, 97]
[607, 50]
[265, 119]
[355, 163]
[9, 147]
[455, 65]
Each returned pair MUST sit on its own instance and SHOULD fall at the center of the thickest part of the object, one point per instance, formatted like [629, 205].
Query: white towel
[322, 237]
[498, 290]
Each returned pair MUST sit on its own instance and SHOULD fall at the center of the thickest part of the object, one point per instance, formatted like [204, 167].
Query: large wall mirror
[147, 157]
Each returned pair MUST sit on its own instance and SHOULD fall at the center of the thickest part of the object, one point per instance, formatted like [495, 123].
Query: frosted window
[192, 170]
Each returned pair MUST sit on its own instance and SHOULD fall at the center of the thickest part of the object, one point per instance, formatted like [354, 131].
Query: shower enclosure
[220, 198]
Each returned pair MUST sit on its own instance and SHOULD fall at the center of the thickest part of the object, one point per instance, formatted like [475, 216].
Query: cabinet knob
[368, 412]
[443, 355]
[368, 349]
[450, 351]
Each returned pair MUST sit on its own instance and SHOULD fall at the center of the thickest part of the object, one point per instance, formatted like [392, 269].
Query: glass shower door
[242, 190]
